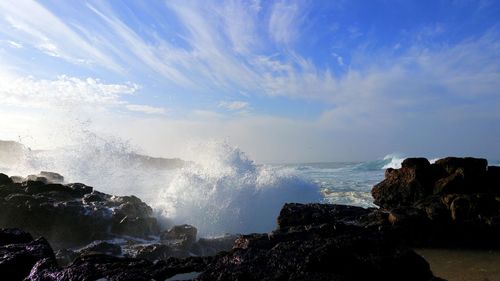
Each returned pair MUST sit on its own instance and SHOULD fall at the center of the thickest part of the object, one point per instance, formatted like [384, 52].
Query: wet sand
[463, 265]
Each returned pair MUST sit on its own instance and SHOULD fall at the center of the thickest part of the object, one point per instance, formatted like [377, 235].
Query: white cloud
[234, 105]
[146, 109]
[62, 92]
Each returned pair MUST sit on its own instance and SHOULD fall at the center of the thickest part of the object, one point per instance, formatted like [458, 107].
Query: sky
[286, 81]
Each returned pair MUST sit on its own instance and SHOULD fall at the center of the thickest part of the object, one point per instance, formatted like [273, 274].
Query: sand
[463, 265]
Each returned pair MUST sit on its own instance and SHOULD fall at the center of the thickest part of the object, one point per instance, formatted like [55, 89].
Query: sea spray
[223, 191]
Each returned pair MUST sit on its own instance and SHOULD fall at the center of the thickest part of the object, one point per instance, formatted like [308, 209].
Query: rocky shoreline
[88, 235]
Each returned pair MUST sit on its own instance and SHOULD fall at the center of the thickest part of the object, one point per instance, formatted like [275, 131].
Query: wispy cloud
[283, 22]
[234, 105]
[30, 22]
[146, 109]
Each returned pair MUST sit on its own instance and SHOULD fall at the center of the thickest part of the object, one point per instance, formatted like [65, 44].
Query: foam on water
[223, 191]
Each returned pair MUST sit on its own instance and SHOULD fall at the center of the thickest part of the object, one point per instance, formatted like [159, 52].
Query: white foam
[393, 161]
[224, 191]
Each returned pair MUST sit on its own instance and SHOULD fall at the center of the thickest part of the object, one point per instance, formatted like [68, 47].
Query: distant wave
[389, 161]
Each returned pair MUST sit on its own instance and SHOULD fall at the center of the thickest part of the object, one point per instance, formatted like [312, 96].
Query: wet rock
[101, 247]
[212, 246]
[153, 252]
[180, 236]
[17, 259]
[94, 267]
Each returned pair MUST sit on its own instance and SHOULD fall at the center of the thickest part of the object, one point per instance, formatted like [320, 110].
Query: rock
[14, 236]
[95, 267]
[72, 215]
[52, 177]
[136, 226]
[294, 214]
[212, 246]
[180, 236]
[17, 260]
[65, 256]
[153, 252]
[471, 167]
[403, 187]
[455, 199]
[101, 247]
[318, 252]
[4, 179]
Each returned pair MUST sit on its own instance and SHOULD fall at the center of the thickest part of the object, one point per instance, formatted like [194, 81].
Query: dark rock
[101, 247]
[72, 215]
[493, 177]
[403, 187]
[294, 214]
[153, 252]
[17, 260]
[136, 226]
[212, 246]
[471, 167]
[94, 267]
[416, 163]
[4, 179]
[180, 236]
[454, 199]
[318, 253]
[52, 177]
[14, 236]
[65, 256]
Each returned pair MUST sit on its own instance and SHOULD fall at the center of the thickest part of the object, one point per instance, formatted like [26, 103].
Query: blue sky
[284, 80]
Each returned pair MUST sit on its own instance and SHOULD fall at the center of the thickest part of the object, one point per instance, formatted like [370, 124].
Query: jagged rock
[72, 215]
[326, 251]
[455, 199]
[18, 255]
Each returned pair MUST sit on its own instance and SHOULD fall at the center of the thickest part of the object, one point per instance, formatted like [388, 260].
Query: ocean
[220, 190]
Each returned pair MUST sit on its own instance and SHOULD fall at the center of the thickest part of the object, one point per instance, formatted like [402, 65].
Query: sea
[221, 190]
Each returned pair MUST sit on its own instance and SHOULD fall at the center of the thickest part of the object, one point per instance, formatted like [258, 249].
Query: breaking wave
[223, 191]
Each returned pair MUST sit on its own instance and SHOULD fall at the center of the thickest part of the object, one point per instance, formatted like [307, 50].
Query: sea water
[219, 190]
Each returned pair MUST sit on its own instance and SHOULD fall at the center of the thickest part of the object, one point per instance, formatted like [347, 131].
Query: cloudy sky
[283, 80]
